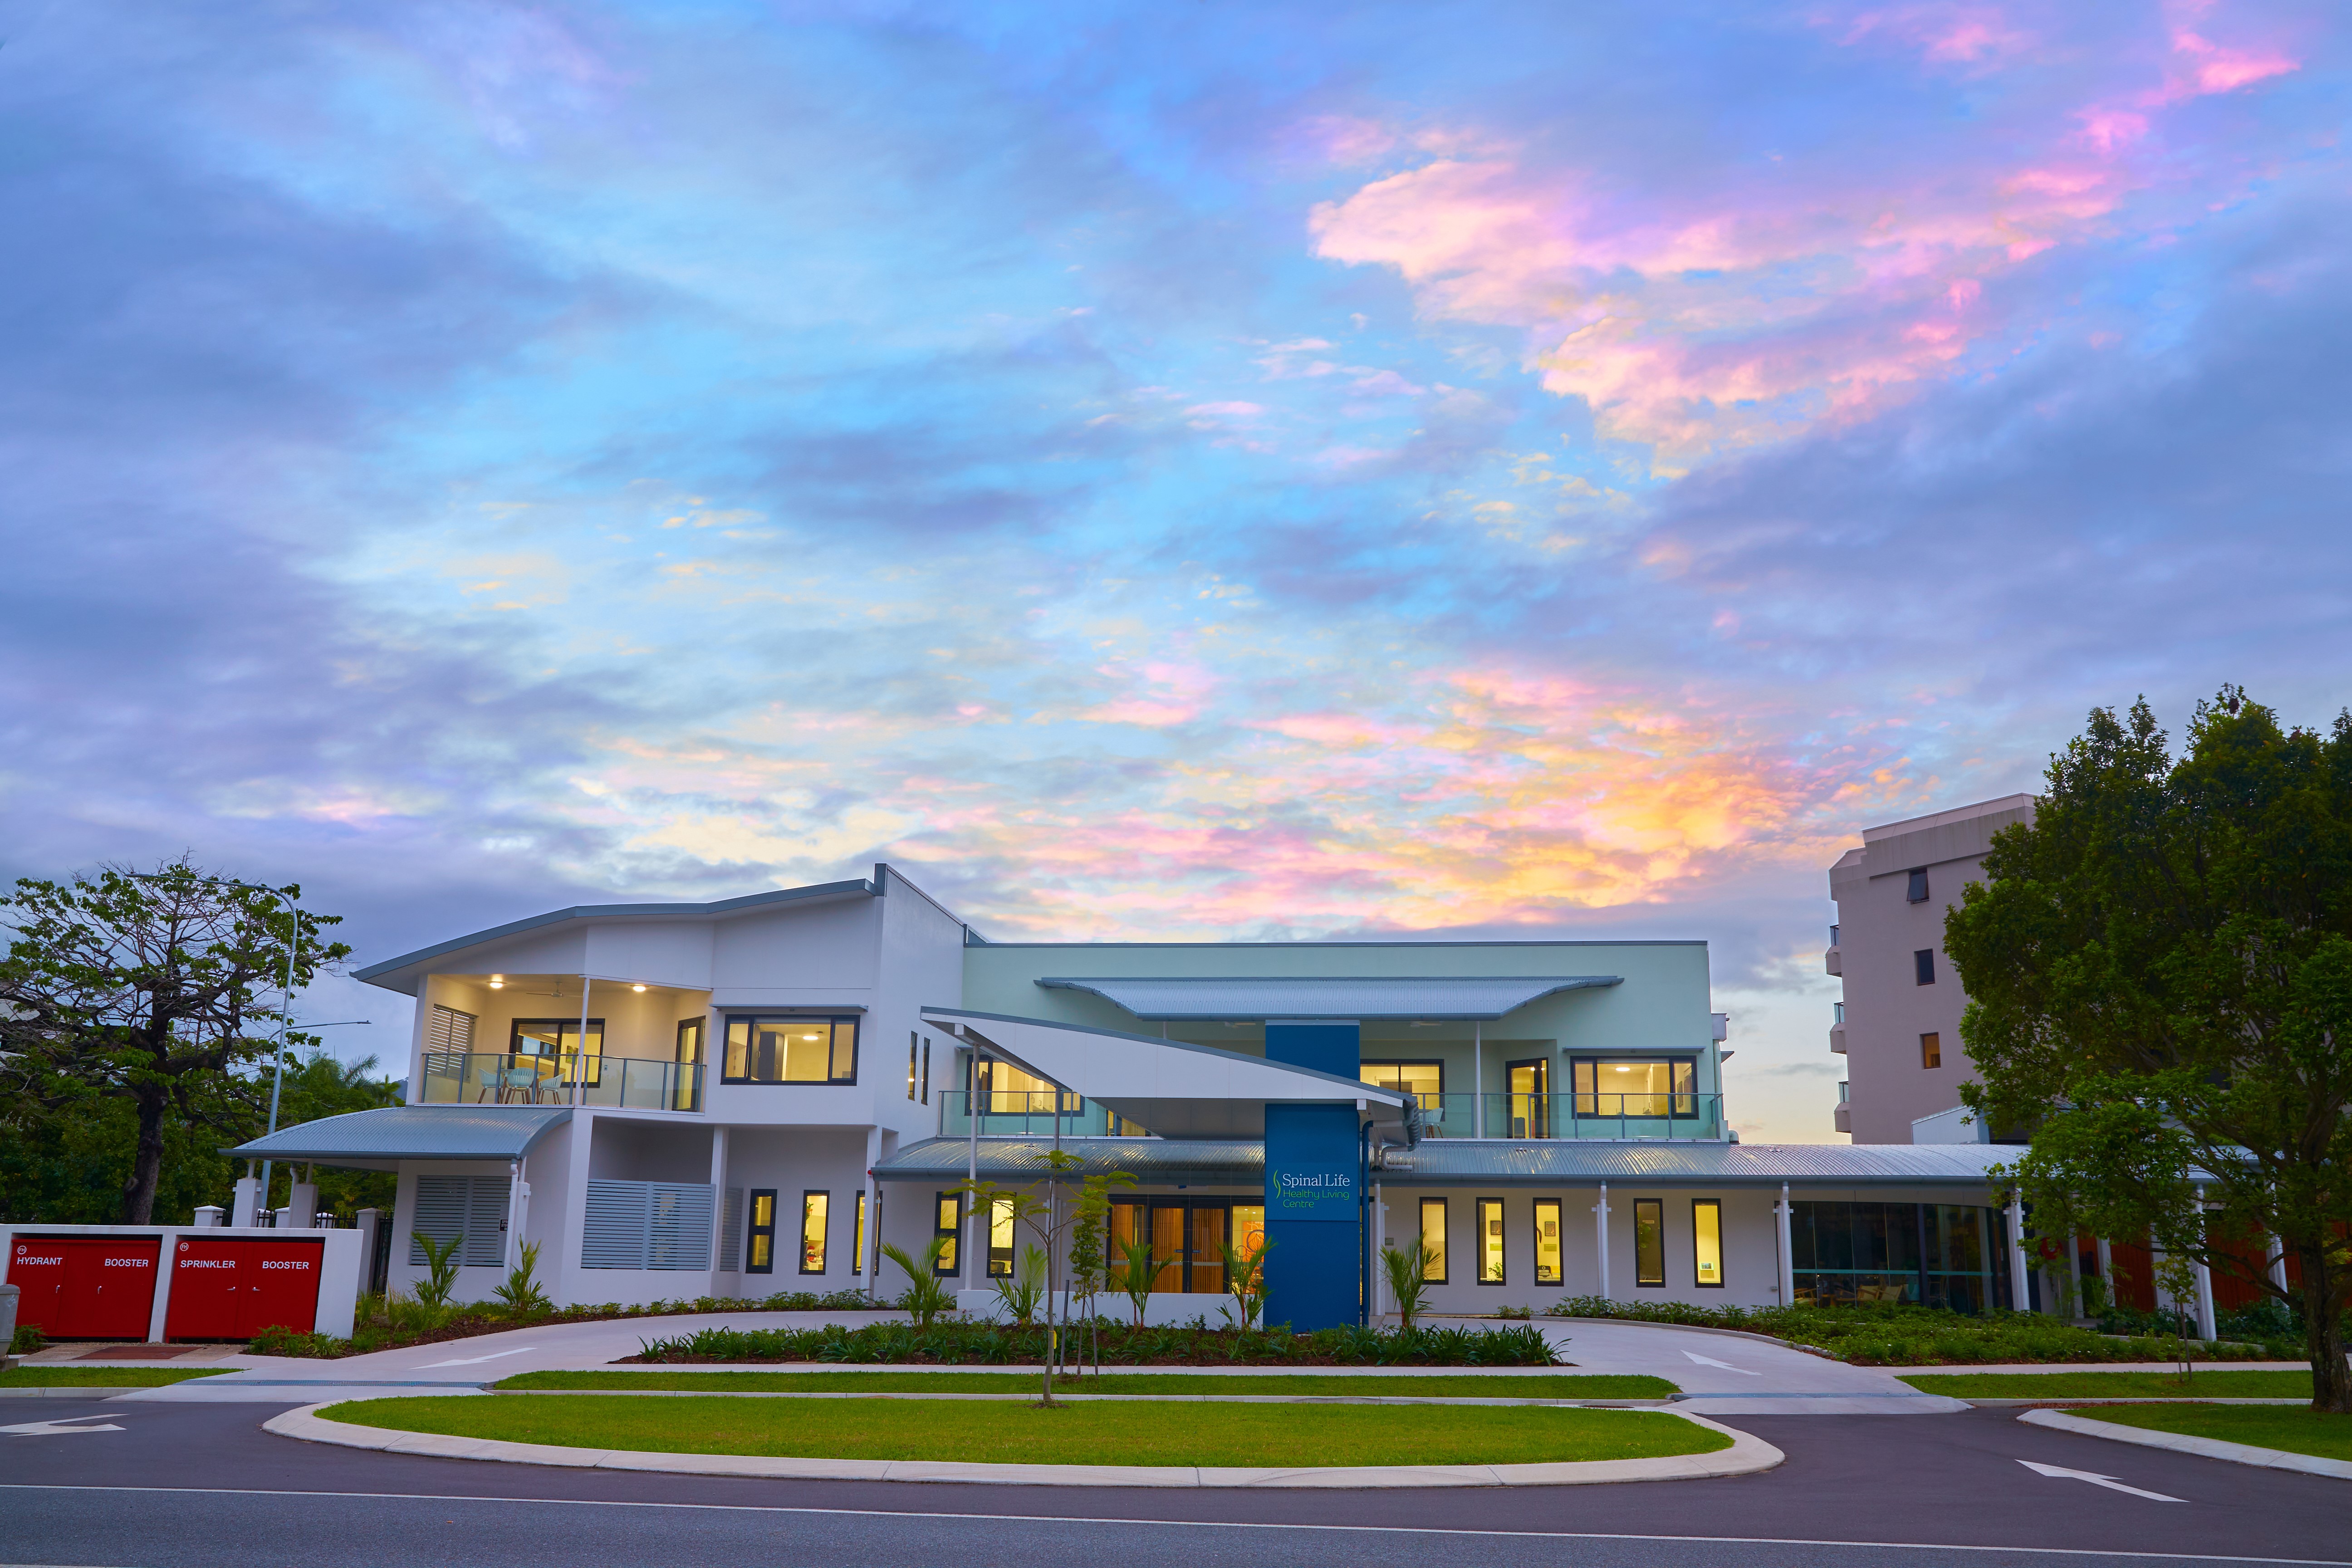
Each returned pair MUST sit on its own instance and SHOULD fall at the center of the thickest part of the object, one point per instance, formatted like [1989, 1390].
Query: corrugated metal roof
[1461, 1162]
[1249, 998]
[1228, 1160]
[375, 1139]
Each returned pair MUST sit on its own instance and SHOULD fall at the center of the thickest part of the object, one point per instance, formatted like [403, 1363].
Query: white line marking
[57, 1428]
[1710, 1361]
[2113, 1485]
[477, 1359]
[504, 1500]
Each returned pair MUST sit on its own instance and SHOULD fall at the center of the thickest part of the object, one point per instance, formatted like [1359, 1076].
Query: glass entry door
[1188, 1240]
[1530, 1098]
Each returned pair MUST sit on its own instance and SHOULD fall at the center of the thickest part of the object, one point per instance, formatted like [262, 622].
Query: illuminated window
[858, 1237]
[910, 1064]
[1660, 1086]
[1432, 1239]
[1000, 1238]
[1006, 1090]
[947, 1225]
[814, 1208]
[761, 1254]
[1548, 1254]
[1490, 1241]
[792, 1050]
[1707, 1243]
[1931, 1050]
[553, 1046]
[1649, 1242]
[1425, 1081]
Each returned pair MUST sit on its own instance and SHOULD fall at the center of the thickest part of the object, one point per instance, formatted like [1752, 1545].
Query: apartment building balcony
[497, 1077]
[1507, 1117]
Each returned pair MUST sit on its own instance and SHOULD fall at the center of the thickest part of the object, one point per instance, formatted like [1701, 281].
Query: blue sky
[1218, 470]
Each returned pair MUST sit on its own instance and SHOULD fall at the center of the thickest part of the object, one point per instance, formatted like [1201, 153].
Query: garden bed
[1913, 1336]
[387, 1323]
[1115, 1344]
[1239, 1436]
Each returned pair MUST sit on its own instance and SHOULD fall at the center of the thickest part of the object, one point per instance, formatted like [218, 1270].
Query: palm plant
[440, 1268]
[520, 1294]
[1408, 1272]
[1020, 1294]
[1245, 1280]
[927, 1295]
[1135, 1274]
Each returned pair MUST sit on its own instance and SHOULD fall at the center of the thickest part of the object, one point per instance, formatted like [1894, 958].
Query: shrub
[951, 1344]
[29, 1339]
[521, 1295]
[278, 1340]
[927, 1295]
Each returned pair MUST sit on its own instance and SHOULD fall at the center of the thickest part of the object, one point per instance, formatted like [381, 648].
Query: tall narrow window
[1918, 892]
[1931, 1050]
[1548, 1258]
[1490, 1241]
[685, 1094]
[1432, 1239]
[910, 1064]
[1707, 1243]
[948, 1228]
[1923, 966]
[760, 1257]
[857, 1236]
[813, 1209]
[927, 1069]
[1000, 1238]
[1649, 1242]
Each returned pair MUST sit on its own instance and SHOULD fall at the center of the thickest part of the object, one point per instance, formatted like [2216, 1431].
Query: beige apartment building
[1898, 1026]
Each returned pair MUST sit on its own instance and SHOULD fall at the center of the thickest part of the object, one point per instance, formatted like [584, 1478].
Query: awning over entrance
[1255, 999]
[380, 1140]
[1176, 1088]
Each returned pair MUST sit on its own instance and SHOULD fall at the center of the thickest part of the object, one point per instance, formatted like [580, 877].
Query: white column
[1600, 1238]
[2275, 1250]
[302, 1200]
[1477, 1081]
[579, 1136]
[244, 1204]
[2018, 1300]
[718, 1261]
[868, 1259]
[580, 1055]
[1783, 1212]
[518, 1212]
[972, 1218]
[2107, 1273]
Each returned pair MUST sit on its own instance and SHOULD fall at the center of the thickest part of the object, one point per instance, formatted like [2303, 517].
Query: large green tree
[160, 991]
[2159, 974]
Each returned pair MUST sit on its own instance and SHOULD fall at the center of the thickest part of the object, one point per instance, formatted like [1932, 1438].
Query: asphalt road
[201, 1485]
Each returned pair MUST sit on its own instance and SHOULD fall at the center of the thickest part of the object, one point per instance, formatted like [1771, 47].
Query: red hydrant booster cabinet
[85, 1288]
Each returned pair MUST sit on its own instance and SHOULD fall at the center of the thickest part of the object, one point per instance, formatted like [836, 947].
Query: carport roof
[380, 1140]
[1549, 1162]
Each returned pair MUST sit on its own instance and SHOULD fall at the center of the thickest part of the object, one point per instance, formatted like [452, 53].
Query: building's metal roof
[1229, 1162]
[1555, 1162]
[391, 967]
[379, 1140]
[1251, 999]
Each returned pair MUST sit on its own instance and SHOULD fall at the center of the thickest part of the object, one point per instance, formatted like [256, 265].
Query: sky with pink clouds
[1227, 470]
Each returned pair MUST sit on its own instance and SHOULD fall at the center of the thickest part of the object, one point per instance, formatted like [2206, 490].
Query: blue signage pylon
[1312, 1186]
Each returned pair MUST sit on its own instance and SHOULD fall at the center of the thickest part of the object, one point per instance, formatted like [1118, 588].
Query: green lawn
[2114, 1384]
[69, 1376]
[973, 1432]
[2303, 1431]
[1535, 1386]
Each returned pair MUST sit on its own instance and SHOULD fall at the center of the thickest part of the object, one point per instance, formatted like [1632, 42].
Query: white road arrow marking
[477, 1359]
[1710, 1361]
[2109, 1482]
[57, 1428]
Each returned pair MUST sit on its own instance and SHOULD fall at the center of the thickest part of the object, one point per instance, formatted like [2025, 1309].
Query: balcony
[1837, 1040]
[453, 1077]
[1832, 961]
[1524, 1117]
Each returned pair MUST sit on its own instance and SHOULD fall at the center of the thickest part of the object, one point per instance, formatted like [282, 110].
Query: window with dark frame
[760, 1247]
[927, 1070]
[1918, 892]
[947, 1225]
[857, 1236]
[816, 1210]
[1432, 1239]
[1650, 1242]
[1490, 1241]
[1923, 966]
[1425, 1081]
[910, 1064]
[553, 1045]
[1707, 1243]
[1002, 1240]
[790, 1050]
[1547, 1241]
[683, 1094]
[1931, 1050]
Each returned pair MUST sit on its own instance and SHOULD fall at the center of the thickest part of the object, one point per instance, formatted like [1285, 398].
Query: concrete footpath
[1721, 1374]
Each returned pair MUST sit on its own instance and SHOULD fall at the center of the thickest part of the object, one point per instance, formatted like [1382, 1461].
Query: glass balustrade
[1017, 1113]
[1532, 1116]
[453, 1077]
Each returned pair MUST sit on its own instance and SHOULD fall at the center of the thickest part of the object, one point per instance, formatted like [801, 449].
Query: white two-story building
[748, 1097]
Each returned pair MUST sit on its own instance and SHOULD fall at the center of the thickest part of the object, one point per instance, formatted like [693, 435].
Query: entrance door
[1530, 1098]
[1188, 1240]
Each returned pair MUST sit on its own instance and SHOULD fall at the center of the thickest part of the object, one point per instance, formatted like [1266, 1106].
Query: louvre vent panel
[471, 1206]
[449, 1030]
[647, 1225]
